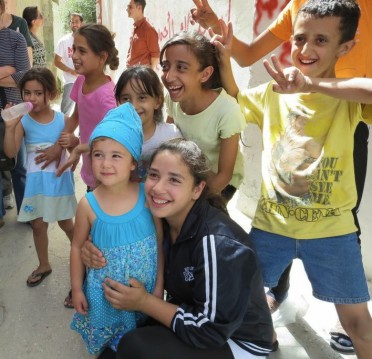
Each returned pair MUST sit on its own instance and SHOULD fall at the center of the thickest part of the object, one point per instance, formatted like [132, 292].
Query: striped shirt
[13, 52]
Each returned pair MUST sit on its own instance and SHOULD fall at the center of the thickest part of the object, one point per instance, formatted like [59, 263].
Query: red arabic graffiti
[170, 27]
[268, 10]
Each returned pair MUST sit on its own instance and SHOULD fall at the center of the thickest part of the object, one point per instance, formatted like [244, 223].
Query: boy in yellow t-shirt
[354, 63]
[308, 188]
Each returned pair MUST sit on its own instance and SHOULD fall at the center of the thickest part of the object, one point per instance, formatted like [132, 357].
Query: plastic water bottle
[16, 111]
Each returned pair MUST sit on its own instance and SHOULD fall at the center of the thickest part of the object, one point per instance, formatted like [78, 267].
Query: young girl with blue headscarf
[116, 217]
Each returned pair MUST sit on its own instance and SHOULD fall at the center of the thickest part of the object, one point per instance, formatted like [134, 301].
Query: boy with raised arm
[308, 189]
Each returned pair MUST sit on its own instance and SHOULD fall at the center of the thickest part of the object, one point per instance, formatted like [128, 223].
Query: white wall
[169, 17]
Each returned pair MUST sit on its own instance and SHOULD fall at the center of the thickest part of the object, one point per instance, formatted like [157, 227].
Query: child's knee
[66, 225]
[39, 226]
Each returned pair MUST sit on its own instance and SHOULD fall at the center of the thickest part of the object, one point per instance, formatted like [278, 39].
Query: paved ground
[34, 323]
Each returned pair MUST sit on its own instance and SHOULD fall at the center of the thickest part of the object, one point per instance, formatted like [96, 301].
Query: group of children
[308, 188]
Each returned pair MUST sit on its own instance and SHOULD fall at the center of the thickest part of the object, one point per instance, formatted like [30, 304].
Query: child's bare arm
[13, 136]
[159, 286]
[77, 268]
[226, 162]
[292, 80]
[223, 44]
[72, 122]
[245, 54]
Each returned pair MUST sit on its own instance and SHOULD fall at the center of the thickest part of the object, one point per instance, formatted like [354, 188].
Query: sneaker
[341, 343]
[1, 222]
[9, 201]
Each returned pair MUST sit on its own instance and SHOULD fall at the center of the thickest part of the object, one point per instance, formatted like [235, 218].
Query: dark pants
[18, 178]
[280, 292]
[158, 342]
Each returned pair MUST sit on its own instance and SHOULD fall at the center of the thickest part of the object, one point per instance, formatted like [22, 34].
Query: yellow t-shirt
[308, 183]
[356, 62]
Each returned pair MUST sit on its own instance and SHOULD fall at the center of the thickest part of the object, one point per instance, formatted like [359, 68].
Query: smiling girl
[93, 90]
[140, 85]
[116, 216]
[47, 198]
[216, 306]
[202, 110]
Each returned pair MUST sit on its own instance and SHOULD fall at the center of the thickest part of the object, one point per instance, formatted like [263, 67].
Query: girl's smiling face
[86, 62]
[111, 161]
[170, 188]
[144, 104]
[181, 73]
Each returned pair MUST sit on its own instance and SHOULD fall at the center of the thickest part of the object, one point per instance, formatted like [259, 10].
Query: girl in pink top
[93, 90]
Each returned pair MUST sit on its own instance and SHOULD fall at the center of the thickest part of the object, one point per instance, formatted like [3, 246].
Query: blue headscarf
[123, 125]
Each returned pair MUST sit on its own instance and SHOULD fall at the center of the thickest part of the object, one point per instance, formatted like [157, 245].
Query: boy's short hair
[347, 10]
[141, 3]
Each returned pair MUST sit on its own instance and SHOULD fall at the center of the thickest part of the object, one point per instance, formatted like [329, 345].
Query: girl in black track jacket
[216, 305]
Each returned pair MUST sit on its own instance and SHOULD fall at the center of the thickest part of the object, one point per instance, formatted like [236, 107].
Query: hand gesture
[223, 41]
[125, 297]
[204, 15]
[80, 302]
[289, 80]
[48, 155]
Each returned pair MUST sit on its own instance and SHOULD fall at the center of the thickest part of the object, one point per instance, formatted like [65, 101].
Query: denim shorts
[333, 264]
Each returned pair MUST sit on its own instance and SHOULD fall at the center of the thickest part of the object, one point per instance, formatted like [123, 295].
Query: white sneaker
[9, 202]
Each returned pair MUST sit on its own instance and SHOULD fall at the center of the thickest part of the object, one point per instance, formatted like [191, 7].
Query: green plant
[86, 7]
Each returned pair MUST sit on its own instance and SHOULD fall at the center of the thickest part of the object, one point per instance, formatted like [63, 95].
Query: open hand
[91, 256]
[48, 155]
[72, 162]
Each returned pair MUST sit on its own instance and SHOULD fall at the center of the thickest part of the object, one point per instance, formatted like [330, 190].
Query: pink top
[92, 107]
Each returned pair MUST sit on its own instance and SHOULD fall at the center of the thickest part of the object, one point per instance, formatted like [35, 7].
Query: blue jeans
[18, 179]
[333, 264]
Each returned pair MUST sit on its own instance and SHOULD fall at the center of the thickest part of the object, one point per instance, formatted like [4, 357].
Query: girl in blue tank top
[116, 217]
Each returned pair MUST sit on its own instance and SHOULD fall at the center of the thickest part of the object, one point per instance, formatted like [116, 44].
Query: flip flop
[341, 343]
[68, 301]
[41, 277]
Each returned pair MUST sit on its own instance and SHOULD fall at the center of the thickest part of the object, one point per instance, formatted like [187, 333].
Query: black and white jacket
[212, 273]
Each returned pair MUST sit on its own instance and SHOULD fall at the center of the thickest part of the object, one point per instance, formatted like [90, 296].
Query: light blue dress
[129, 245]
[46, 196]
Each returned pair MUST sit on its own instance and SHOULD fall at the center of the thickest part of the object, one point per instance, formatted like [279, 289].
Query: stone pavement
[34, 324]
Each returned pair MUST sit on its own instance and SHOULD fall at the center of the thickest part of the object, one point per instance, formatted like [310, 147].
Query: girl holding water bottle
[47, 198]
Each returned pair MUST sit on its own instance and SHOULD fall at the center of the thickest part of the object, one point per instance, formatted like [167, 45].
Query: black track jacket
[212, 273]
